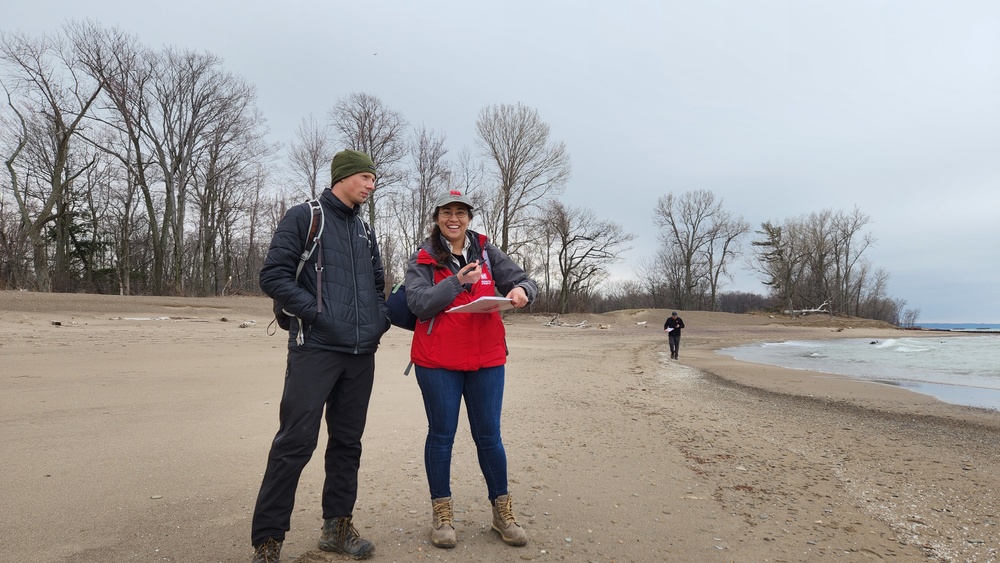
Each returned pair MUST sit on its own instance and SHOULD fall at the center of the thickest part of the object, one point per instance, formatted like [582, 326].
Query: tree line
[135, 170]
[815, 263]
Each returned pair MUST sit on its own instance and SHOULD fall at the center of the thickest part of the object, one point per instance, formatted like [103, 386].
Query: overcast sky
[780, 108]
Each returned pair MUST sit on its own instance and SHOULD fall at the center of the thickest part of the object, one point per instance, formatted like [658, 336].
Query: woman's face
[453, 220]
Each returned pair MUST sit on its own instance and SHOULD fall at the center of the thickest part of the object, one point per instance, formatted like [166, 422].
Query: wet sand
[137, 429]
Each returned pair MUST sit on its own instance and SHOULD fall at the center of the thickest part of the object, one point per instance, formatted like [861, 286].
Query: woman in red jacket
[462, 355]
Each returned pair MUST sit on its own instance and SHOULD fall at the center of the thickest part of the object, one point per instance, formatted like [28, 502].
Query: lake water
[962, 369]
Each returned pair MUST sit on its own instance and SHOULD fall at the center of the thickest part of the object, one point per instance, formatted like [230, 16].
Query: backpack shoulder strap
[486, 259]
[486, 255]
[317, 220]
[316, 224]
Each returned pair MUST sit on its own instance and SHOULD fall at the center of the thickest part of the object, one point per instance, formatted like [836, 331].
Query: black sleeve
[277, 276]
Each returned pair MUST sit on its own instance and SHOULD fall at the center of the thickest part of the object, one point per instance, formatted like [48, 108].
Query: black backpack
[399, 312]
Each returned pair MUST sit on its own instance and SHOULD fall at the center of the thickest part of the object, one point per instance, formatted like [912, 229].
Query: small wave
[790, 344]
[901, 345]
[911, 349]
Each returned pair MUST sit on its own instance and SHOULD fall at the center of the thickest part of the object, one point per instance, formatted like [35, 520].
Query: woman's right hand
[470, 273]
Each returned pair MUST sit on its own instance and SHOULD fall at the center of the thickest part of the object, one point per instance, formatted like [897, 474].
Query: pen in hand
[470, 273]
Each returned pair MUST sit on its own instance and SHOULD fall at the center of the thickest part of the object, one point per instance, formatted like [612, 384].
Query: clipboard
[483, 305]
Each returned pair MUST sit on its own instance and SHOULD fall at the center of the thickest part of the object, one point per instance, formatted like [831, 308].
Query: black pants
[675, 342]
[315, 379]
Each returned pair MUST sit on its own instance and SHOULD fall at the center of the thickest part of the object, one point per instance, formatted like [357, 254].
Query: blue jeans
[443, 390]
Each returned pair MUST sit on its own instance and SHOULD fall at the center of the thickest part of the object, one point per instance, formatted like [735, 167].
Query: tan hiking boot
[267, 552]
[503, 522]
[340, 536]
[443, 534]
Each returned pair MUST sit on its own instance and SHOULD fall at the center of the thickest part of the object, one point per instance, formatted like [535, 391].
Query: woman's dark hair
[441, 254]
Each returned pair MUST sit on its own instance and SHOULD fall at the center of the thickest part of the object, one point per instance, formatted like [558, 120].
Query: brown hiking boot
[443, 533]
[340, 536]
[267, 552]
[503, 522]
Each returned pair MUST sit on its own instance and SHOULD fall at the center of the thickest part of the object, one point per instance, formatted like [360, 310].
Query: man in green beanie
[339, 300]
[348, 163]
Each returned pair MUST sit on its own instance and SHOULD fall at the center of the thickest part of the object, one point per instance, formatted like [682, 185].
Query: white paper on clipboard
[483, 305]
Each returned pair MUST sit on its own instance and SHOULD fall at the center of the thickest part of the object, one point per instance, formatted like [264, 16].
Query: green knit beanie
[349, 162]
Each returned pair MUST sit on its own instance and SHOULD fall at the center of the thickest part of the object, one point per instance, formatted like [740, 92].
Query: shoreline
[872, 394]
[968, 394]
[158, 430]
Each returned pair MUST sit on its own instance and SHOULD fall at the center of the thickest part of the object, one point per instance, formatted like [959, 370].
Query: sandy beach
[137, 429]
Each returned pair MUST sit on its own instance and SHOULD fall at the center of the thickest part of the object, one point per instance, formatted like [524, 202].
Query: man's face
[355, 189]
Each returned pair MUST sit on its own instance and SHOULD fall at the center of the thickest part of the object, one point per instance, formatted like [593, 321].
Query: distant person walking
[340, 317]
[673, 328]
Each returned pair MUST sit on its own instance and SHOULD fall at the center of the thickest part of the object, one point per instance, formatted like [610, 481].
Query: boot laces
[442, 514]
[346, 530]
[268, 551]
[505, 511]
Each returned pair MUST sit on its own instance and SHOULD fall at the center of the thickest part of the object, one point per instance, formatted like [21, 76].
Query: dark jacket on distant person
[675, 323]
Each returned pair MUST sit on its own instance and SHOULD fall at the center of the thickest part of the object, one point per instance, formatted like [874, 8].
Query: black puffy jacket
[353, 316]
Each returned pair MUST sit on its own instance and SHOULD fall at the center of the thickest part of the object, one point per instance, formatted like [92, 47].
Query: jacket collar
[340, 208]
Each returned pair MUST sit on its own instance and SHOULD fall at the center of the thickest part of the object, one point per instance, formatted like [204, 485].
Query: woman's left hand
[518, 297]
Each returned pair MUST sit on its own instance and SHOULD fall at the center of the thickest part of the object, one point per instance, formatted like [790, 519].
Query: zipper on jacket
[354, 278]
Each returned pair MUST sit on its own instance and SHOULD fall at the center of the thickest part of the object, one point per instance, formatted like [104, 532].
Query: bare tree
[188, 133]
[122, 215]
[584, 247]
[14, 236]
[704, 239]
[910, 316]
[651, 278]
[816, 287]
[670, 263]
[309, 155]
[817, 261]
[131, 165]
[740, 302]
[57, 97]
[528, 167]
[234, 148]
[433, 176]
[127, 70]
[468, 176]
[256, 210]
[728, 232]
[849, 244]
[834, 270]
[780, 257]
[191, 94]
[366, 124]
[409, 211]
